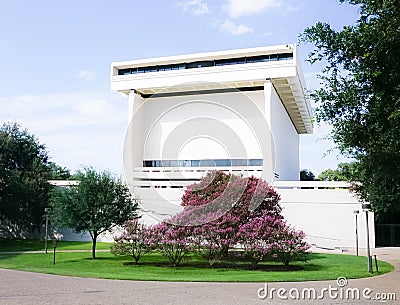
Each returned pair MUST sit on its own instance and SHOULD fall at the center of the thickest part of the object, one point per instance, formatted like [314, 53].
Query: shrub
[174, 241]
[219, 204]
[134, 240]
[213, 239]
[258, 236]
[266, 236]
[290, 245]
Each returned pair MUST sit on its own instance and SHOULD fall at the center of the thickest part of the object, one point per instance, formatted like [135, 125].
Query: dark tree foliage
[58, 172]
[96, 205]
[24, 173]
[360, 97]
[306, 175]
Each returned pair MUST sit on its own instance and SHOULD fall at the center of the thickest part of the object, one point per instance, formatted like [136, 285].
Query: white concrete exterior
[217, 101]
[324, 210]
[242, 111]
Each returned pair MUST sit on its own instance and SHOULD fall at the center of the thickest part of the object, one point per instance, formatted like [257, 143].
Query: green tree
[23, 178]
[306, 175]
[58, 172]
[360, 97]
[97, 204]
[344, 172]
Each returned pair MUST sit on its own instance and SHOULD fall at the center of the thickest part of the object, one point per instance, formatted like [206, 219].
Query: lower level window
[203, 163]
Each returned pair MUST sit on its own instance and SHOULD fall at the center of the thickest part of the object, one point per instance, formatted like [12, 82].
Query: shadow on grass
[221, 265]
[100, 258]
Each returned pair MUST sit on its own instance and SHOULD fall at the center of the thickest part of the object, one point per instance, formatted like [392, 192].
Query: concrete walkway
[18, 287]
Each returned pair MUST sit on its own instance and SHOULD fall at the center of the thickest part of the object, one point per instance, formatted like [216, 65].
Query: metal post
[376, 264]
[356, 214]
[368, 248]
[46, 211]
[54, 251]
[46, 235]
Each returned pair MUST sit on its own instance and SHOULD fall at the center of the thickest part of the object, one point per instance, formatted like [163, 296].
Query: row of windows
[207, 63]
[203, 163]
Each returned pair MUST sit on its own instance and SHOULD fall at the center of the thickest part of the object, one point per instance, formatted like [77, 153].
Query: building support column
[269, 159]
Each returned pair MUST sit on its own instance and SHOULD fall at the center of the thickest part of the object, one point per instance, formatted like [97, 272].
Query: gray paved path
[17, 287]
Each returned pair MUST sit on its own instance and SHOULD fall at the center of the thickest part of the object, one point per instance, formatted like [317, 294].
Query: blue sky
[56, 55]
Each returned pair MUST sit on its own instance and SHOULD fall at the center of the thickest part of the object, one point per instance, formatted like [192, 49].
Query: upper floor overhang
[242, 68]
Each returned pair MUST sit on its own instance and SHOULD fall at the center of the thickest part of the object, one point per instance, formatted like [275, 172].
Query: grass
[12, 245]
[156, 268]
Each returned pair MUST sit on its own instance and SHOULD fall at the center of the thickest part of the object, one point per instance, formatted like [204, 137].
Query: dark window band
[207, 63]
[203, 163]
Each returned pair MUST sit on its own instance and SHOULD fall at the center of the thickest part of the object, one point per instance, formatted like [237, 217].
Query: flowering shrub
[265, 236]
[213, 239]
[258, 236]
[219, 213]
[174, 242]
[134, 240]
[290, 245]
[231, 193]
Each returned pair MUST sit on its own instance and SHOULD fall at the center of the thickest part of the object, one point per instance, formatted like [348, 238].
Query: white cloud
[237, 8]
[85, 127]
[233, 28]
[196, 7]
[86, 75]
[266, 34]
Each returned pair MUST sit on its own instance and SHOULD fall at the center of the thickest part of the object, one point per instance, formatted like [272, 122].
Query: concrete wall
[323, 210]
[285, 137]
[325, 214]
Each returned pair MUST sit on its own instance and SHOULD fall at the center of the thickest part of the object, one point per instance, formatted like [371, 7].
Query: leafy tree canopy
[24, 173]
[360, 97]
[97, 204]
[344, 172]
[58, 172]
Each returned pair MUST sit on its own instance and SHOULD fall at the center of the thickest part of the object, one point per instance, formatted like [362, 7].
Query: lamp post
[356, 212]
[366, 208]
[46, 211]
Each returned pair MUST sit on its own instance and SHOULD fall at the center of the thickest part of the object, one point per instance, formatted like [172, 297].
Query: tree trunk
[94, 240]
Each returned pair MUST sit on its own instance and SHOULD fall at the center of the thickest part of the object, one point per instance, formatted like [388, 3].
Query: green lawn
[11, 245]
[155, 267]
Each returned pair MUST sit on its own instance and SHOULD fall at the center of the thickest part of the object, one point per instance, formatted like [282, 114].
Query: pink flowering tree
[222, 192]
[265, 236]
[133, 241]
[175, 242]
[290, 245]
[258, 237]
[214, 238]
[220, 203]
[227, 210]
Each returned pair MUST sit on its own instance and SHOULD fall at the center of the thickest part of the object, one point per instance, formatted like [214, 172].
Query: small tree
[97, 204]
[258, 236]
[290, 244]
[133, 241]
[223, 202]
[215, 237]
[174, 241]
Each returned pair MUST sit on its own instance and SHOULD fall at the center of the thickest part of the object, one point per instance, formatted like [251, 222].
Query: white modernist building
[240, 111]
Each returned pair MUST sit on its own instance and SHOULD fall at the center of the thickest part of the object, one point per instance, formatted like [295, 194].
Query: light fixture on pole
[46, 211]
[356, 212]
[366, 208]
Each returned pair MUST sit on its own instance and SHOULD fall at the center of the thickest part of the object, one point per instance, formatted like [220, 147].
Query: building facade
[239, 111]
